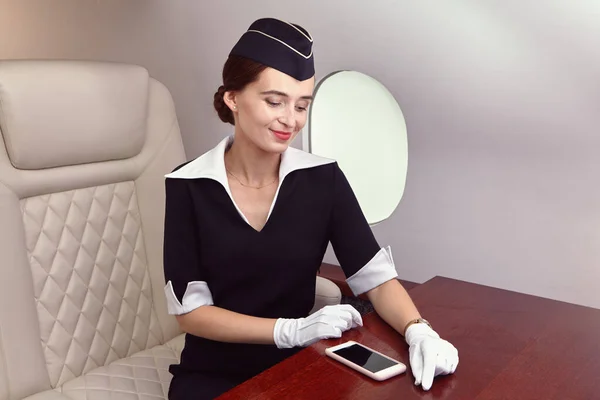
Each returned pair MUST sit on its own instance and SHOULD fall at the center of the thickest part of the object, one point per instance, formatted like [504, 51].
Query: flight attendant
[247, 225]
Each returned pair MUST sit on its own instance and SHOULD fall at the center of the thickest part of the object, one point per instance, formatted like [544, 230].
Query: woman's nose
[288, 117]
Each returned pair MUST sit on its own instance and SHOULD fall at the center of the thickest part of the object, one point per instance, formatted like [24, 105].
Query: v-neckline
[241, 213]
[211, 165]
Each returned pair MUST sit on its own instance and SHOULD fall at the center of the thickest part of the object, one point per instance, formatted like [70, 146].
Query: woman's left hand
[430, 355]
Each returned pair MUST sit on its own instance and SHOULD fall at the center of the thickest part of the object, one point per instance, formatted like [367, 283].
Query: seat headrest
[59, 113]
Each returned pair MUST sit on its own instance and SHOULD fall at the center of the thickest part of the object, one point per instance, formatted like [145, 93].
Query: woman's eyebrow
[279, 93]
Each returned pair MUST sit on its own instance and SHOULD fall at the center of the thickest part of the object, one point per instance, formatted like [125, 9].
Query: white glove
[328, 322]
[430, 355]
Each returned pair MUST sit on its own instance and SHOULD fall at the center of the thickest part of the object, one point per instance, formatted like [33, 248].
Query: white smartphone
[366, 360]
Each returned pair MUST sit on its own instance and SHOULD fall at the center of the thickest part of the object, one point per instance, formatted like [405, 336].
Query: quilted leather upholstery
[82, 308]
[90, 277]
[144, 375]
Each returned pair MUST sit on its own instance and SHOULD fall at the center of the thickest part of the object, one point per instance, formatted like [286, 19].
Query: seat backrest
[84, 150]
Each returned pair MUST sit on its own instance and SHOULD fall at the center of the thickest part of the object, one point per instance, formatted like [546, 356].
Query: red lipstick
[282, 134]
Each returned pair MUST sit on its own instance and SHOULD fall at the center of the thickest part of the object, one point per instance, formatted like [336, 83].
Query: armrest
[327, 293]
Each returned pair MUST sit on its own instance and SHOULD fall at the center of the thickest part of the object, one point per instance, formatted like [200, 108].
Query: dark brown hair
[237, 73]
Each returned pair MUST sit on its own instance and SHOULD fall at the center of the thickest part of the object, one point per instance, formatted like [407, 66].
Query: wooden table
[511, 346]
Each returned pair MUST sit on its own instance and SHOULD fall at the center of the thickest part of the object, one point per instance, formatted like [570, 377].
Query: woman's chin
[278, 145]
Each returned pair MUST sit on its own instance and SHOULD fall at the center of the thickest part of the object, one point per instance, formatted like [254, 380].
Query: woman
[247, 225]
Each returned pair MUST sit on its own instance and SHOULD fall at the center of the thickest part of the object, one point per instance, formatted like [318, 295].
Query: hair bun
[224, 112]
[238, 72]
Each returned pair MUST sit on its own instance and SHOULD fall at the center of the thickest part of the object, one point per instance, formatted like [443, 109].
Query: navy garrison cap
[281, 45]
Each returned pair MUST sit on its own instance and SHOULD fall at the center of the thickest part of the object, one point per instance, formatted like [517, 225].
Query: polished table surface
[511, 346]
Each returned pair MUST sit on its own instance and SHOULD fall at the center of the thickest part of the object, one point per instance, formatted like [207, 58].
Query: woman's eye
[301, 109]
[272, 103]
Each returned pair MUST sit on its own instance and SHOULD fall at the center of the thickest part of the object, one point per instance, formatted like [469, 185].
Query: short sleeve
[185, 288]
[364, 262]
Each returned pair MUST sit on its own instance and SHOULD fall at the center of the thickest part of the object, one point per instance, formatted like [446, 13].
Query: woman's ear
[230, 100]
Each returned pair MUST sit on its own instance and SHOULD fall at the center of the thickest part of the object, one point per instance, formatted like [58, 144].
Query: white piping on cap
[283, 43]
[310, 39]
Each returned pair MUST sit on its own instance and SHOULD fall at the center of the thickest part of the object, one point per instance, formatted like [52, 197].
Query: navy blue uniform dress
[213, 256]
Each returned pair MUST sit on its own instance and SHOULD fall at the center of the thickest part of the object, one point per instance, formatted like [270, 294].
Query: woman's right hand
[328, 322]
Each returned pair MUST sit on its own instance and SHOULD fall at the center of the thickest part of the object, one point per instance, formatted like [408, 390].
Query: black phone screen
[364, 357]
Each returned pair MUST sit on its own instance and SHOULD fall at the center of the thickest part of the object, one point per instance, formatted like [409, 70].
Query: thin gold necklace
[249, 186]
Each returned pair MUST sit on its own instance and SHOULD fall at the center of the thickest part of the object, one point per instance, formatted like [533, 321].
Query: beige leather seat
[82, 162]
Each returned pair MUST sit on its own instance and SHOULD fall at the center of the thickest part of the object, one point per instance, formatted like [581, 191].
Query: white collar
[211, 164]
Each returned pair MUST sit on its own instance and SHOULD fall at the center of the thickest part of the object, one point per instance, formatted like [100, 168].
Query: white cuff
[377, 271]
[196, 294]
